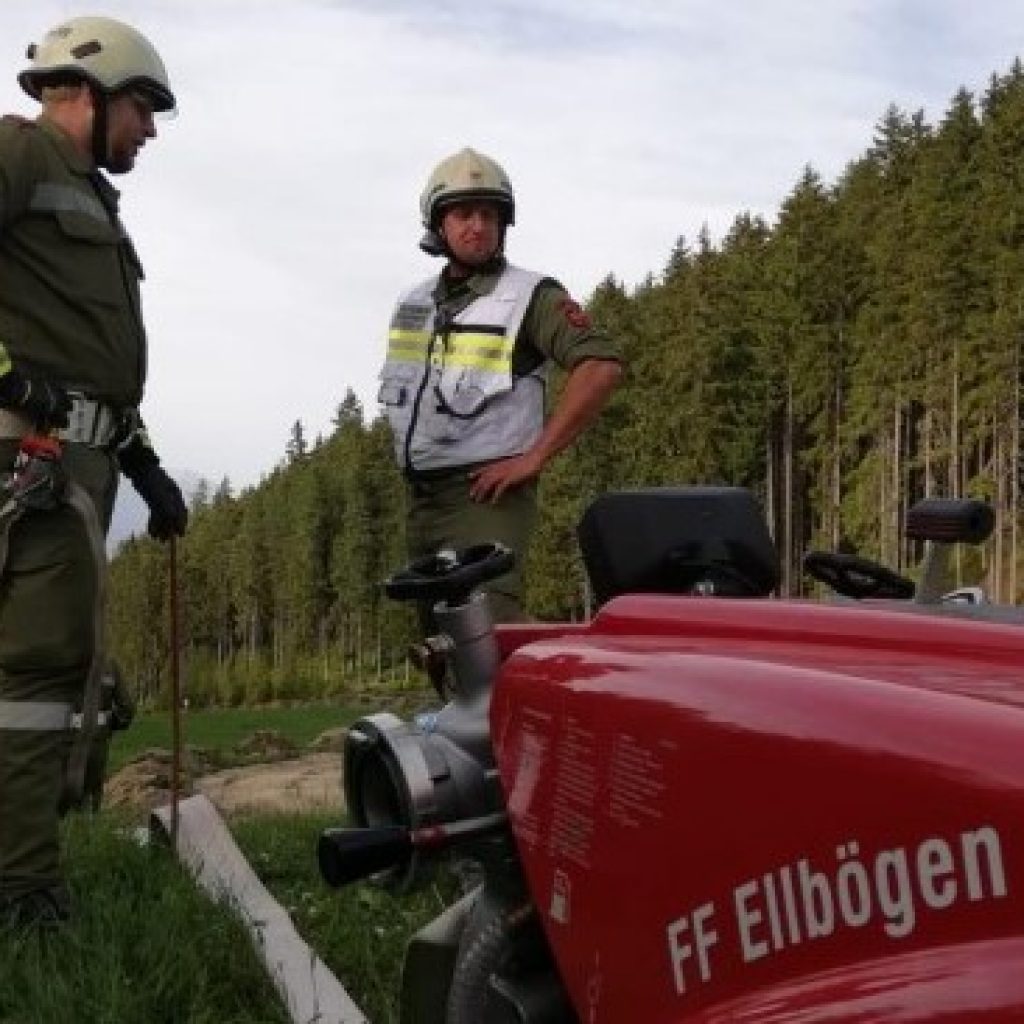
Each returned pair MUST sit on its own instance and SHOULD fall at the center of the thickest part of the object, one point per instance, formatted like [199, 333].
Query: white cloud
[277, 216]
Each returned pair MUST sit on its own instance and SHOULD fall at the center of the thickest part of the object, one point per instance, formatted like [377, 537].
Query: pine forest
[859, 353]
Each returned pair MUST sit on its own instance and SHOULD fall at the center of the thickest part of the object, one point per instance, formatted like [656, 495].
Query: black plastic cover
[678, 540]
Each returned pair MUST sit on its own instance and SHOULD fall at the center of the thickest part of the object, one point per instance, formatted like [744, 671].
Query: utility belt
[430, 475]
[441, 475]
[92, 423]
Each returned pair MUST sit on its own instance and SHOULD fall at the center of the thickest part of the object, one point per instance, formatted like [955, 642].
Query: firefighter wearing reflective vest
[464, 384]
[72, 370]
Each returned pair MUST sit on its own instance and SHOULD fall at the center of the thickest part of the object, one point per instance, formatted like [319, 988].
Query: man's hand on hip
[490, 482]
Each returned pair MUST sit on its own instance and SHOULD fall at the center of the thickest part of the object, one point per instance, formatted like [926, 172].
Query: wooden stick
[175, 697]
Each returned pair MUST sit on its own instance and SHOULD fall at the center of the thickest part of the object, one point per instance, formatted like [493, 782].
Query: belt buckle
[94, 423]
[76, 429]
[102, 426]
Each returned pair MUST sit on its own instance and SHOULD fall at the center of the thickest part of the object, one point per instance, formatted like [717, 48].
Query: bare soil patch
[308, 783]
[281, 781]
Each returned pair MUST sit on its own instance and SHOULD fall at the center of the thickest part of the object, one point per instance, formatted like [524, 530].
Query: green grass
[147, 947]
[360, 931]
[220, 730]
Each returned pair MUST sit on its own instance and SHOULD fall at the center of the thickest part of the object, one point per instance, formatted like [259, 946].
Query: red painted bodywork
[747, 762]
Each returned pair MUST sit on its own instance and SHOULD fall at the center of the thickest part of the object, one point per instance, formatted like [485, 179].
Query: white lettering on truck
[803, 901]
[681, 949]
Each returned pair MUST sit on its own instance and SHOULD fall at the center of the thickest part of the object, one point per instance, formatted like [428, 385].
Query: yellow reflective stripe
[408, 346]
[474, 362]
[5, 360]
[480, 351]
[487, 352]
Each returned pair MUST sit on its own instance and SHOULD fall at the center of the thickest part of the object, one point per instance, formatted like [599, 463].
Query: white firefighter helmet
[466, 175]
[109, 54]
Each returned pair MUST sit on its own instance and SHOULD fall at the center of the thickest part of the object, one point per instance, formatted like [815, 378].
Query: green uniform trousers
[48, 594]
[442, 515]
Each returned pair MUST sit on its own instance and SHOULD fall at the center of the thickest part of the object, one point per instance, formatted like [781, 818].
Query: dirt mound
[142, 784]
[329, 741]
[279, 784]
[308, 783]
[265, 745]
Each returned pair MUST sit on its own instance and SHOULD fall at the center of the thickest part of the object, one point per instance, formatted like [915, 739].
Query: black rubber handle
[951, 520]
[350, 854]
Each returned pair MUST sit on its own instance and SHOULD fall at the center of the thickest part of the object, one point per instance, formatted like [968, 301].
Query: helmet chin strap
[433, 244]
[100, 143]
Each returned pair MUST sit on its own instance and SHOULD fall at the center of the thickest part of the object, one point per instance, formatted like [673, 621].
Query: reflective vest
[447, 387]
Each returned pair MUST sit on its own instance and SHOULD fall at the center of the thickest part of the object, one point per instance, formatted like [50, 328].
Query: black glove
[167, 512]
[45, 403]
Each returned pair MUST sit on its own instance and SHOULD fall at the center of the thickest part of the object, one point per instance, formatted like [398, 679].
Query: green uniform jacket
[69, 276]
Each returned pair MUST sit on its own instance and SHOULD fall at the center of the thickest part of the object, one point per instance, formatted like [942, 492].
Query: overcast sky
[277, 216]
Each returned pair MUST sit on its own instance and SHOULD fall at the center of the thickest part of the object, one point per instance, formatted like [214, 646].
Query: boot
[38, 910]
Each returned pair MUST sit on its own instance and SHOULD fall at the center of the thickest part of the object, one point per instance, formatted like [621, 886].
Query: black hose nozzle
[350, 854]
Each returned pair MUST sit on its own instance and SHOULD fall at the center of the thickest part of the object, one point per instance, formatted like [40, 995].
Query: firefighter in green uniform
[464, 383]
[72, 370]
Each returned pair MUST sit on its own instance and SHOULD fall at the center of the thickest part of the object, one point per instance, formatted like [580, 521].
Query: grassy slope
[146, 945]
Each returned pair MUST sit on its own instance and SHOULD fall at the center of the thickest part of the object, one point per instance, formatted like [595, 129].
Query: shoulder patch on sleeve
[575, 314]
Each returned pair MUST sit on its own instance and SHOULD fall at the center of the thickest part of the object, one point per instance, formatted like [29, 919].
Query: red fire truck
[708, 804]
